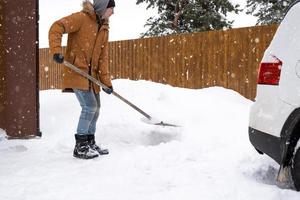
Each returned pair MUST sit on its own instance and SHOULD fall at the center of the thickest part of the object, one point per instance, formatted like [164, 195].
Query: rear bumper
[266, 143]
[269, 113]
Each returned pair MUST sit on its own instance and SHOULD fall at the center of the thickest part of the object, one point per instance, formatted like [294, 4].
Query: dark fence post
[19, 92]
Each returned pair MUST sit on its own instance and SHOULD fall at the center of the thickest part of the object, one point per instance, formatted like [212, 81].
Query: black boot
[82, 148]
[95, 147]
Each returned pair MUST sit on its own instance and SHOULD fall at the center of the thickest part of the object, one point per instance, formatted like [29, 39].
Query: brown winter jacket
[87, 46]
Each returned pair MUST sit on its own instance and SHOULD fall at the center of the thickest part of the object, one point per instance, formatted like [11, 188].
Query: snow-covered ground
[209, 157]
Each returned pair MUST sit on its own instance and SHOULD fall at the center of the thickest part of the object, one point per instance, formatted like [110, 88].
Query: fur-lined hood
[88, 7]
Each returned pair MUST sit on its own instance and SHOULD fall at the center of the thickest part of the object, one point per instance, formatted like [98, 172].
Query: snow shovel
[150, 120]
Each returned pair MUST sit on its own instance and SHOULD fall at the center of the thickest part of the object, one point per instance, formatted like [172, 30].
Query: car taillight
[269, 73]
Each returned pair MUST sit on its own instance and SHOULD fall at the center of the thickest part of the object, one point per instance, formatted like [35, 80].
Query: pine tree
[268, 11]
[185, 16]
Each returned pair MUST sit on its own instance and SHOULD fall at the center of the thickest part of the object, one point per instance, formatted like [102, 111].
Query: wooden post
[19, 92]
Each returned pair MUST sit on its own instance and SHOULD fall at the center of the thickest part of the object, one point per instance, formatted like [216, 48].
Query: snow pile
[208, 157]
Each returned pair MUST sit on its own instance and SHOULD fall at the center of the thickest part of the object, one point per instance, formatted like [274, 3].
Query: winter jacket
[87, 47]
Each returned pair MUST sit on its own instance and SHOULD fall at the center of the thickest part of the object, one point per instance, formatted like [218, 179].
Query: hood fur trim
[88, 7]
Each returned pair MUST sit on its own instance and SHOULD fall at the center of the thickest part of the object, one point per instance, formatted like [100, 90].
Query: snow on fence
[227, 58]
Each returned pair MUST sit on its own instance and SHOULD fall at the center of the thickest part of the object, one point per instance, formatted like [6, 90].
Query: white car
[274, 124]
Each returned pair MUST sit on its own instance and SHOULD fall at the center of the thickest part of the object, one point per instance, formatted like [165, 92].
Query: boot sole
[85, 157]
[103, 152]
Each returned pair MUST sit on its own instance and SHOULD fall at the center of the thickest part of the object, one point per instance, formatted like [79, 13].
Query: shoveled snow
[209, 157]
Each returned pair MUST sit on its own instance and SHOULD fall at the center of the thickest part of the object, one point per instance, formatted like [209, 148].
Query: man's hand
[57, 57]
[108, 90]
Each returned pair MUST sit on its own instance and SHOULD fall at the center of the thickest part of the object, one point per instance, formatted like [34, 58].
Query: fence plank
[227, 58]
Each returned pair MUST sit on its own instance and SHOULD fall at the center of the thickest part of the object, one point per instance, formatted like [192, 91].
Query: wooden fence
[227, 58]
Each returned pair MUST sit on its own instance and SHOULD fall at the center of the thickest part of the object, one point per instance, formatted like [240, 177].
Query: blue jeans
[90, 104]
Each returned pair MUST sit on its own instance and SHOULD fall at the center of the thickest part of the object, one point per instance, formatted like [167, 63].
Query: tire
[295, 171]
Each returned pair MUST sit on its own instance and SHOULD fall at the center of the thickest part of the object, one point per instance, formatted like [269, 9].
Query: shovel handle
[96, 81]
[131, 105]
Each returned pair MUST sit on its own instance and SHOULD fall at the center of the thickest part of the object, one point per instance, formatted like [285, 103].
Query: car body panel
[272, 116]
[269, 113]
[286, 47]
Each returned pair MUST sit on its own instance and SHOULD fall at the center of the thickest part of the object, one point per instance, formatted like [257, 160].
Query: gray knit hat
[100, 6]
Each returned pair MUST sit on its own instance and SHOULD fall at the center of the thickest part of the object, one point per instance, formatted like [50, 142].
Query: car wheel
[295, 171]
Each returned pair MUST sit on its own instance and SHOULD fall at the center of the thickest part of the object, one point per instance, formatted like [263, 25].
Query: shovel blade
[166, 124]
[154, 121]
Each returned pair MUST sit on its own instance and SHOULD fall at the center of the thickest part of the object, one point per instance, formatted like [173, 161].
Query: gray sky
[127, 22]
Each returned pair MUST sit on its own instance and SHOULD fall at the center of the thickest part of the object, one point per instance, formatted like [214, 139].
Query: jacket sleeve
[69, 24]
[104, 73]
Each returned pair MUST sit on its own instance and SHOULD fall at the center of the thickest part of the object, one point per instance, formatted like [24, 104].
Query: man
[87, 48]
